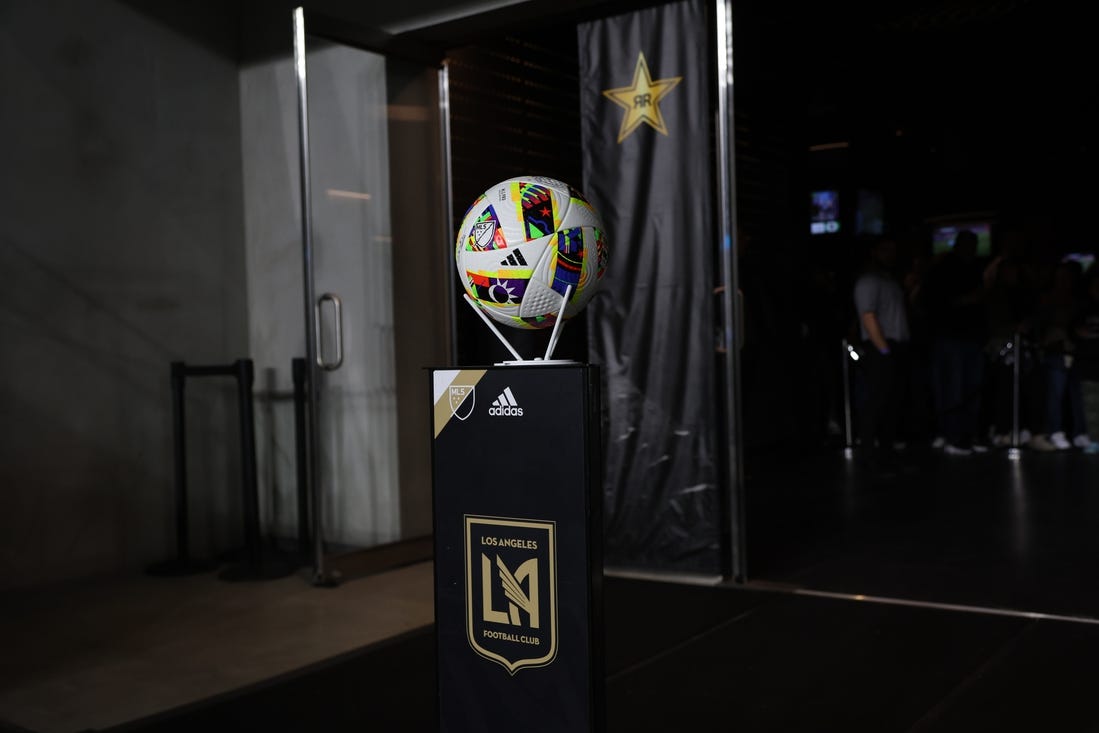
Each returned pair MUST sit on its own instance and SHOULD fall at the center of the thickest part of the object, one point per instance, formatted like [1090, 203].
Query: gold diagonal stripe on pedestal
[443, 411]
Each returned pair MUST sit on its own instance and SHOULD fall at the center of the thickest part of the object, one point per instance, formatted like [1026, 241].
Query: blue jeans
[957, 373]
[1061, 383]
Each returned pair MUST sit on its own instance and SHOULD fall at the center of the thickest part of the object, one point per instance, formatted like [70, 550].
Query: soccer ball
[522, 243]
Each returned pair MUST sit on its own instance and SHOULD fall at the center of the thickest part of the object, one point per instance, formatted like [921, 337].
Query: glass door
[376, 266]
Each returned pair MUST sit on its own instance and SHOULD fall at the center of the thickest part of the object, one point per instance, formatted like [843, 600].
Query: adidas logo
[515, 260]
[505, 405]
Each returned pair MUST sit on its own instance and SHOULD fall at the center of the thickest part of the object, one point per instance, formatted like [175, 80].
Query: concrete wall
[121, 249]
[149, 213]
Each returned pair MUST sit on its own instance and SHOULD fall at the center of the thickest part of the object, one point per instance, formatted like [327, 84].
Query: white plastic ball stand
[537, 361]
[519, 360]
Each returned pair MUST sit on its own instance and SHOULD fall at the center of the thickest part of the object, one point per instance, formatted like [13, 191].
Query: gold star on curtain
[641, 100]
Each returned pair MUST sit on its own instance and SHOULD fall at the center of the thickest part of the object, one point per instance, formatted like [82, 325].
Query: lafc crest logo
[511, 590]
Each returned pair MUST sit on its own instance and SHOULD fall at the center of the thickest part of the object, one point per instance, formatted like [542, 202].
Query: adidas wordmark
[505, 405]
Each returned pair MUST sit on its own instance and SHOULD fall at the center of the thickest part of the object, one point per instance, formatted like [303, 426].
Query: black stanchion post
[250, 488]
[183, 563]
[179, 442]
[300, 375]
[258, 565]
[848, 439]
[1016, 375]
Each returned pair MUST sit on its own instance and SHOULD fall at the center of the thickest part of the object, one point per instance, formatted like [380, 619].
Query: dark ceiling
[947, 106]
[968, 104]
[987, 104]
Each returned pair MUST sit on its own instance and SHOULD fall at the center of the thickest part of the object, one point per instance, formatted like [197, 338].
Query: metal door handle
[337, 306]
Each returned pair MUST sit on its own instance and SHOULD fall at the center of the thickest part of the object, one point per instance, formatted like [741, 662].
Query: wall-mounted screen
[942, 237]
[869, 213]
[824, 212]
[1086, 259]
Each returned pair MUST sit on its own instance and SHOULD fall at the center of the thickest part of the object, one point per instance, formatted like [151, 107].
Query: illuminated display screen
[824, 212]
[1086, 259]
[942, 239]
[869, 213]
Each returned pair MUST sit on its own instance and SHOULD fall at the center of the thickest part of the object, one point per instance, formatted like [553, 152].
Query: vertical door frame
[735, 560]
[374, 41]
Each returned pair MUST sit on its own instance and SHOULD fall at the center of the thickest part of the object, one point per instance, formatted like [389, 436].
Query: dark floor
[717, 659]
[975, 530]
[978, 531]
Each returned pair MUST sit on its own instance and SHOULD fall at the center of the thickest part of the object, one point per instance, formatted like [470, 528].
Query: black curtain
[645, 81]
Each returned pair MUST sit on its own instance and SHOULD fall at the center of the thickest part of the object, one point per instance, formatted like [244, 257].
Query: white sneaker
[953, 450]
[978, 448]
[1060, 442]
[1041, 443]
[1081, 441]
[938, 442]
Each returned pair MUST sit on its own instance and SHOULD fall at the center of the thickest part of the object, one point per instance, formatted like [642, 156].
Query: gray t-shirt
[878, 293]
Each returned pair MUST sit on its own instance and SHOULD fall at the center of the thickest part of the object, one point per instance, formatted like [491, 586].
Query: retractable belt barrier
[849, 354]
[254, 566]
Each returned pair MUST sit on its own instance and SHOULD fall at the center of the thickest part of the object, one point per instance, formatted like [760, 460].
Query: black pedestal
[518, 565]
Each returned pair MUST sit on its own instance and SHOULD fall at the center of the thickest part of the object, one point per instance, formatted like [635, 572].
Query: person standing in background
[955, 300]
[1087, 354]
[919, 408]
[1059, 319]
[883, 325]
